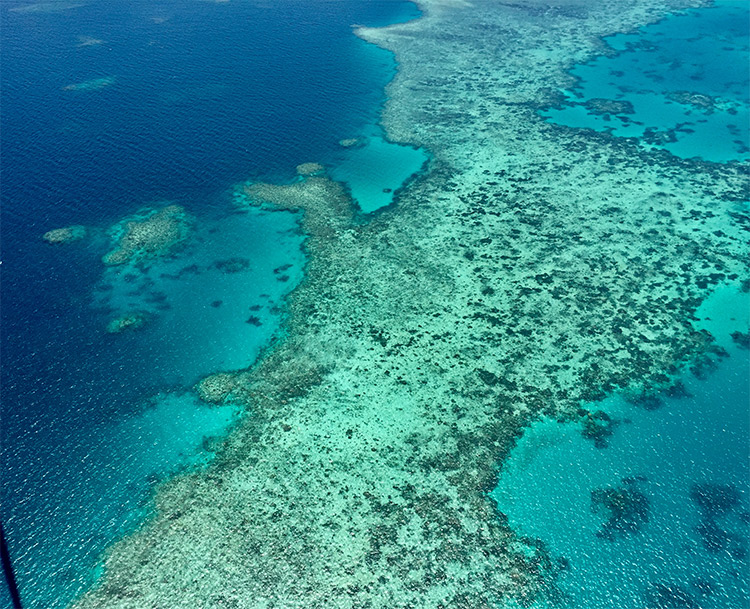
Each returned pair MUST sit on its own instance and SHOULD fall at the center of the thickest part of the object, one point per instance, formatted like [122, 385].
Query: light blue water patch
[681, 85]
[375, 169]
[99, 491]
[660, 517]
[214, 304]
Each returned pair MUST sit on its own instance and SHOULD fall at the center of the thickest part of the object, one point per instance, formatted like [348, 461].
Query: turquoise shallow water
[666, 550]
[213, 305]
[376, 169]
[680, 85]
[660, 516]
[216, 303]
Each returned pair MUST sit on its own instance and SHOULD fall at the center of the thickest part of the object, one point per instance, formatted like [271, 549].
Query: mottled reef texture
[531, 268]
[150, 234]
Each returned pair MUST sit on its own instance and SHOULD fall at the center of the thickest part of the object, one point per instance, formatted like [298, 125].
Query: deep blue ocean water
[684, 82]
[110, 108]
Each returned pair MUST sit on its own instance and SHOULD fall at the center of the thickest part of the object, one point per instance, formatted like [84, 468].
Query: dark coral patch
[626, 508]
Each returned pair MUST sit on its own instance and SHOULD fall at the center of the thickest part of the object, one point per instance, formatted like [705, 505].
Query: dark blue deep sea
[107, 108]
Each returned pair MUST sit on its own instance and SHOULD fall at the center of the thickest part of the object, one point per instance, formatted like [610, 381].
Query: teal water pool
[375, 169]
[679, 85]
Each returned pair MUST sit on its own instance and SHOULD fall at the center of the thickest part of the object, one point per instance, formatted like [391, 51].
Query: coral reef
[697, 100]
[562, 263]
[352, 142]
[150, 235]
[609, 106]
[741, 339]
[215, 389]
[717, 502]
[597, 426]
[232, 265]
[310, 169]
[625, 507]
[69, 234]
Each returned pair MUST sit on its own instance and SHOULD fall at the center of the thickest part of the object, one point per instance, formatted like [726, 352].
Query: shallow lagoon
[548, 485]
[679, 85]
[376, 169]
[216, 303]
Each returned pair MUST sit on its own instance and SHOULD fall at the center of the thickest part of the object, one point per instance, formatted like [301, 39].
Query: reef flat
[533, 267]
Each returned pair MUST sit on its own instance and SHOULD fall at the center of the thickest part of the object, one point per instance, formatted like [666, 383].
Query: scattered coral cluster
[625, 507]
[127, 321]
[150, 234]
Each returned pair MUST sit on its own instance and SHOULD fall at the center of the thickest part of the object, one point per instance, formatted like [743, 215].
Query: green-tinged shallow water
[376, 169]
[381, 337]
